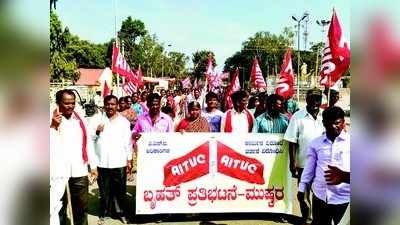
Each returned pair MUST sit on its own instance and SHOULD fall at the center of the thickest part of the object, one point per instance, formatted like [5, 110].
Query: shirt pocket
[324, 155]
[161, 127]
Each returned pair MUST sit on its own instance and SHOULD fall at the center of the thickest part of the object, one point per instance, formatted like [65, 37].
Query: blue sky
[190, 25]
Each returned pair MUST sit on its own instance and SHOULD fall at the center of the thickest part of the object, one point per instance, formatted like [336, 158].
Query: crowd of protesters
[318, 144]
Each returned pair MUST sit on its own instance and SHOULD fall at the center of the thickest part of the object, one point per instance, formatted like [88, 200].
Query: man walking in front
[327, 168]
[71, 152]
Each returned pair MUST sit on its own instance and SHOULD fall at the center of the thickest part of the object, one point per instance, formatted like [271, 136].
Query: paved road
[202, 219]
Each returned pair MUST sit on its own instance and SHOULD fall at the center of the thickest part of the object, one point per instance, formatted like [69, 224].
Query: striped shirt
[266, 124]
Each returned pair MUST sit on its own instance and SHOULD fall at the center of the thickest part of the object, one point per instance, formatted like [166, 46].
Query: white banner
[212, 172]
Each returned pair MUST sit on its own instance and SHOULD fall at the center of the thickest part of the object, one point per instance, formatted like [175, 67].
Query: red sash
[84, 137]
[228, 122]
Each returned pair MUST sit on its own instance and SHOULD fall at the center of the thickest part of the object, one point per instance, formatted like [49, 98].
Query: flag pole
[116, 39]
[316, 69]
[329, 89]
[123, 54]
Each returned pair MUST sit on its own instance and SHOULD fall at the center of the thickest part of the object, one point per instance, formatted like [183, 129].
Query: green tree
[149, 55]
[87, 54]
[200, 62]
[176, 64]
[131, 31]
[62, 65]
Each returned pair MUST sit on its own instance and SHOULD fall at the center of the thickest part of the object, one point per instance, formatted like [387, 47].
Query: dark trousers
[305, 206]
[324, 213]
[79, 189]
[112, 187]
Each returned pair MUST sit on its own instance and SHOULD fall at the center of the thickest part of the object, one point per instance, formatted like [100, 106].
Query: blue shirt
[214, 119]
[266, 124]
[137, 108]
[292, 106]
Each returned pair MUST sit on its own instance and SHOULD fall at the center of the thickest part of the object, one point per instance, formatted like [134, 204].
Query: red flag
[139, 75]
[120, 66]
[284, 86]
[233, 86]
[224, 75]
[106, 89]
[191, 166]
[238, 166]
[129, 87]
[209, 69]
[213, 79]
[256, 77]
[186, 82]
[336, 55]
[339, 46]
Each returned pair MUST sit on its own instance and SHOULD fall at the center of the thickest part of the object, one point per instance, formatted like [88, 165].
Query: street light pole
[305, 15]
[323, 24]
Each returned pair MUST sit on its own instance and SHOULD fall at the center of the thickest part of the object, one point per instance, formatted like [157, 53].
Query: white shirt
[200, 100]
[66, 158]
[239, 121]
[302, 129]
[113, 146]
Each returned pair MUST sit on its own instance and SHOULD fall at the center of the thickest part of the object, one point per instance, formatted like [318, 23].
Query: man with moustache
[154, 120]
[272, 120]
[113, 147]
[304, 126]
[71, 154]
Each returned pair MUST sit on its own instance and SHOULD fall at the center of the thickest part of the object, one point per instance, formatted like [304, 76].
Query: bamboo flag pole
[316, 70]
[329, 88]
[116, 40]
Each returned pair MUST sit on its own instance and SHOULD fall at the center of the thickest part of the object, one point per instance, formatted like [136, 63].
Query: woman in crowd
[194, 122]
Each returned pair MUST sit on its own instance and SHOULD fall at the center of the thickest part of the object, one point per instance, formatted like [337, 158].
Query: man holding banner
[239, 119]
[272, 121]
[154, 120]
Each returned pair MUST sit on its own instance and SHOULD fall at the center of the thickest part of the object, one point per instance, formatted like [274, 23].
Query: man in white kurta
[71, 152]
[113, 148]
